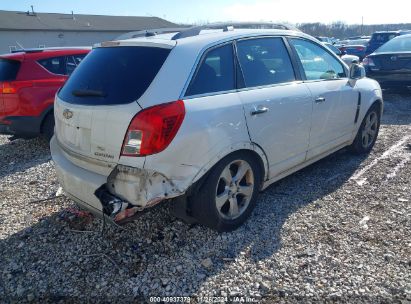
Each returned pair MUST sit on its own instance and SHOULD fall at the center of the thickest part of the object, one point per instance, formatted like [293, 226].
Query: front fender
[371, 93]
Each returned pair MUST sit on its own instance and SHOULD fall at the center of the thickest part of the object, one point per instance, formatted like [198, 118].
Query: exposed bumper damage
[130, 190]
[118, 193]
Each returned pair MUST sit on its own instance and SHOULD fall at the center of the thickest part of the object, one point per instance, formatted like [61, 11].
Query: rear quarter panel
[213, 127]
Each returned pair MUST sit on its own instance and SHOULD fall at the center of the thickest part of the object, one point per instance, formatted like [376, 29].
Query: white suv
[204, 119]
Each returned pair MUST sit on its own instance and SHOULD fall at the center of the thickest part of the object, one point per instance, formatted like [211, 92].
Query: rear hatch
[95, 106]
[8, 72]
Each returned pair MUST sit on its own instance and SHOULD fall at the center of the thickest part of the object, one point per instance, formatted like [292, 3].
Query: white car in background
[204, 119]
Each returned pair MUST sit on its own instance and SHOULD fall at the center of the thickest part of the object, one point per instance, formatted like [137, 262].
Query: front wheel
[368, 132]
[229, 193]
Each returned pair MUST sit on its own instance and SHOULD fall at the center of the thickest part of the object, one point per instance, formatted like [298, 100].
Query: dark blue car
[390, 65]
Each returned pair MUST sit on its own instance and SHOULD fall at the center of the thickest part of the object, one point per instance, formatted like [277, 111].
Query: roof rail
[229, 26]
[149, 33]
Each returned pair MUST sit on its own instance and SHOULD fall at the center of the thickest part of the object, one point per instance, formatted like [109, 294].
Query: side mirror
[357, 71]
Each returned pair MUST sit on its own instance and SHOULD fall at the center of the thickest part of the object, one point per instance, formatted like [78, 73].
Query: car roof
[206, 38]
[403, 36]
[385, 32]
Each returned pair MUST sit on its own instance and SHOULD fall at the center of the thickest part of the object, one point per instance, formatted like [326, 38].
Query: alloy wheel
[370, 129]
[235, 189]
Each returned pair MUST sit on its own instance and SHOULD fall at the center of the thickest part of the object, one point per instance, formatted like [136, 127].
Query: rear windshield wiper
[88, 93]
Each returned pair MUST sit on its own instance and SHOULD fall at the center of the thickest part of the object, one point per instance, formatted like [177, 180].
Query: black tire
[204, 203]
[47, 129]
[359, 146]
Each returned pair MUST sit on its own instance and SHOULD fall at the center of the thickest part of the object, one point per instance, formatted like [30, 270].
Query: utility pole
[362, 25]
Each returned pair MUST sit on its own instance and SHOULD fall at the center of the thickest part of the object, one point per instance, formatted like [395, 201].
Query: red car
[29, 80]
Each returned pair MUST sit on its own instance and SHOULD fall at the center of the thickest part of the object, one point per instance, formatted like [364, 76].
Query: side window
[70, 65]
[55, 65]
[215, 73]
[316, 61]
[264, 61]
[72, 62]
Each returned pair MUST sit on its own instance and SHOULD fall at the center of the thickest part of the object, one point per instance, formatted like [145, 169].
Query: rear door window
[113, 75]
[215, 73]
[264, 61]
[55, 65]
[72, 62]
[8, 69]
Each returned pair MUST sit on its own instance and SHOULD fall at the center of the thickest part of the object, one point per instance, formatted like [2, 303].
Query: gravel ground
[337, 231]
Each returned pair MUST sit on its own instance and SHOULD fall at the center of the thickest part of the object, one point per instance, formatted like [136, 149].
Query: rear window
[113, 75]
[8, 69]
[383, 37]
[55, 65]
[399, 44]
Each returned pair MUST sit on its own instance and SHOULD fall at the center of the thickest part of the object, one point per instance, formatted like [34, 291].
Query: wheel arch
[379, 103]
[49, 110]
[252, 148]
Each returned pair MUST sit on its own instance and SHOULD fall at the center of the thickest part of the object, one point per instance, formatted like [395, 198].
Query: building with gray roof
[31, 29]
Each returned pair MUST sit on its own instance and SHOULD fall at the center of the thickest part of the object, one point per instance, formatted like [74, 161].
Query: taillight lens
[7, 88]
[14, 86]
[368, 61]
[360, 48]
[153, 129]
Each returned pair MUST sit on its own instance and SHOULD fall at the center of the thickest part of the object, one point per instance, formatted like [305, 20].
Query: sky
[202, 11]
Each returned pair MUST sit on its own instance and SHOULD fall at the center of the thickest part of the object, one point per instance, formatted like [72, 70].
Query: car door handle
[259, 110]
[319, 99]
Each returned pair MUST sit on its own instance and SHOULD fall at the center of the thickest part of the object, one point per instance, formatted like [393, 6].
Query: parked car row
[385, 55]
[348, 59]
[355, 47]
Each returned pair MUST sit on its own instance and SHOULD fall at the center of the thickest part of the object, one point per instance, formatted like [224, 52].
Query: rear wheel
[47, 128]
[368, 132]
[229, 193]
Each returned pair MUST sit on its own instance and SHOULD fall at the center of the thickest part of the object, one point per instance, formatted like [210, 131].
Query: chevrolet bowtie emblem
[67, 114]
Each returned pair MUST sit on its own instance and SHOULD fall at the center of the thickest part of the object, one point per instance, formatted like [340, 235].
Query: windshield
[113, 75]
[8, 69]
[399, 44]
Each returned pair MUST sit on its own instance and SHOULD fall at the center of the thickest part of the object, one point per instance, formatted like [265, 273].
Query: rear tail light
[7, 88]
[153, 129]
[360, 48]
[368, 61]
[14, 86]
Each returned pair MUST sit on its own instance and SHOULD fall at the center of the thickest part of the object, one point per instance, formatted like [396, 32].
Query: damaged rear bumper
[122, 194]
